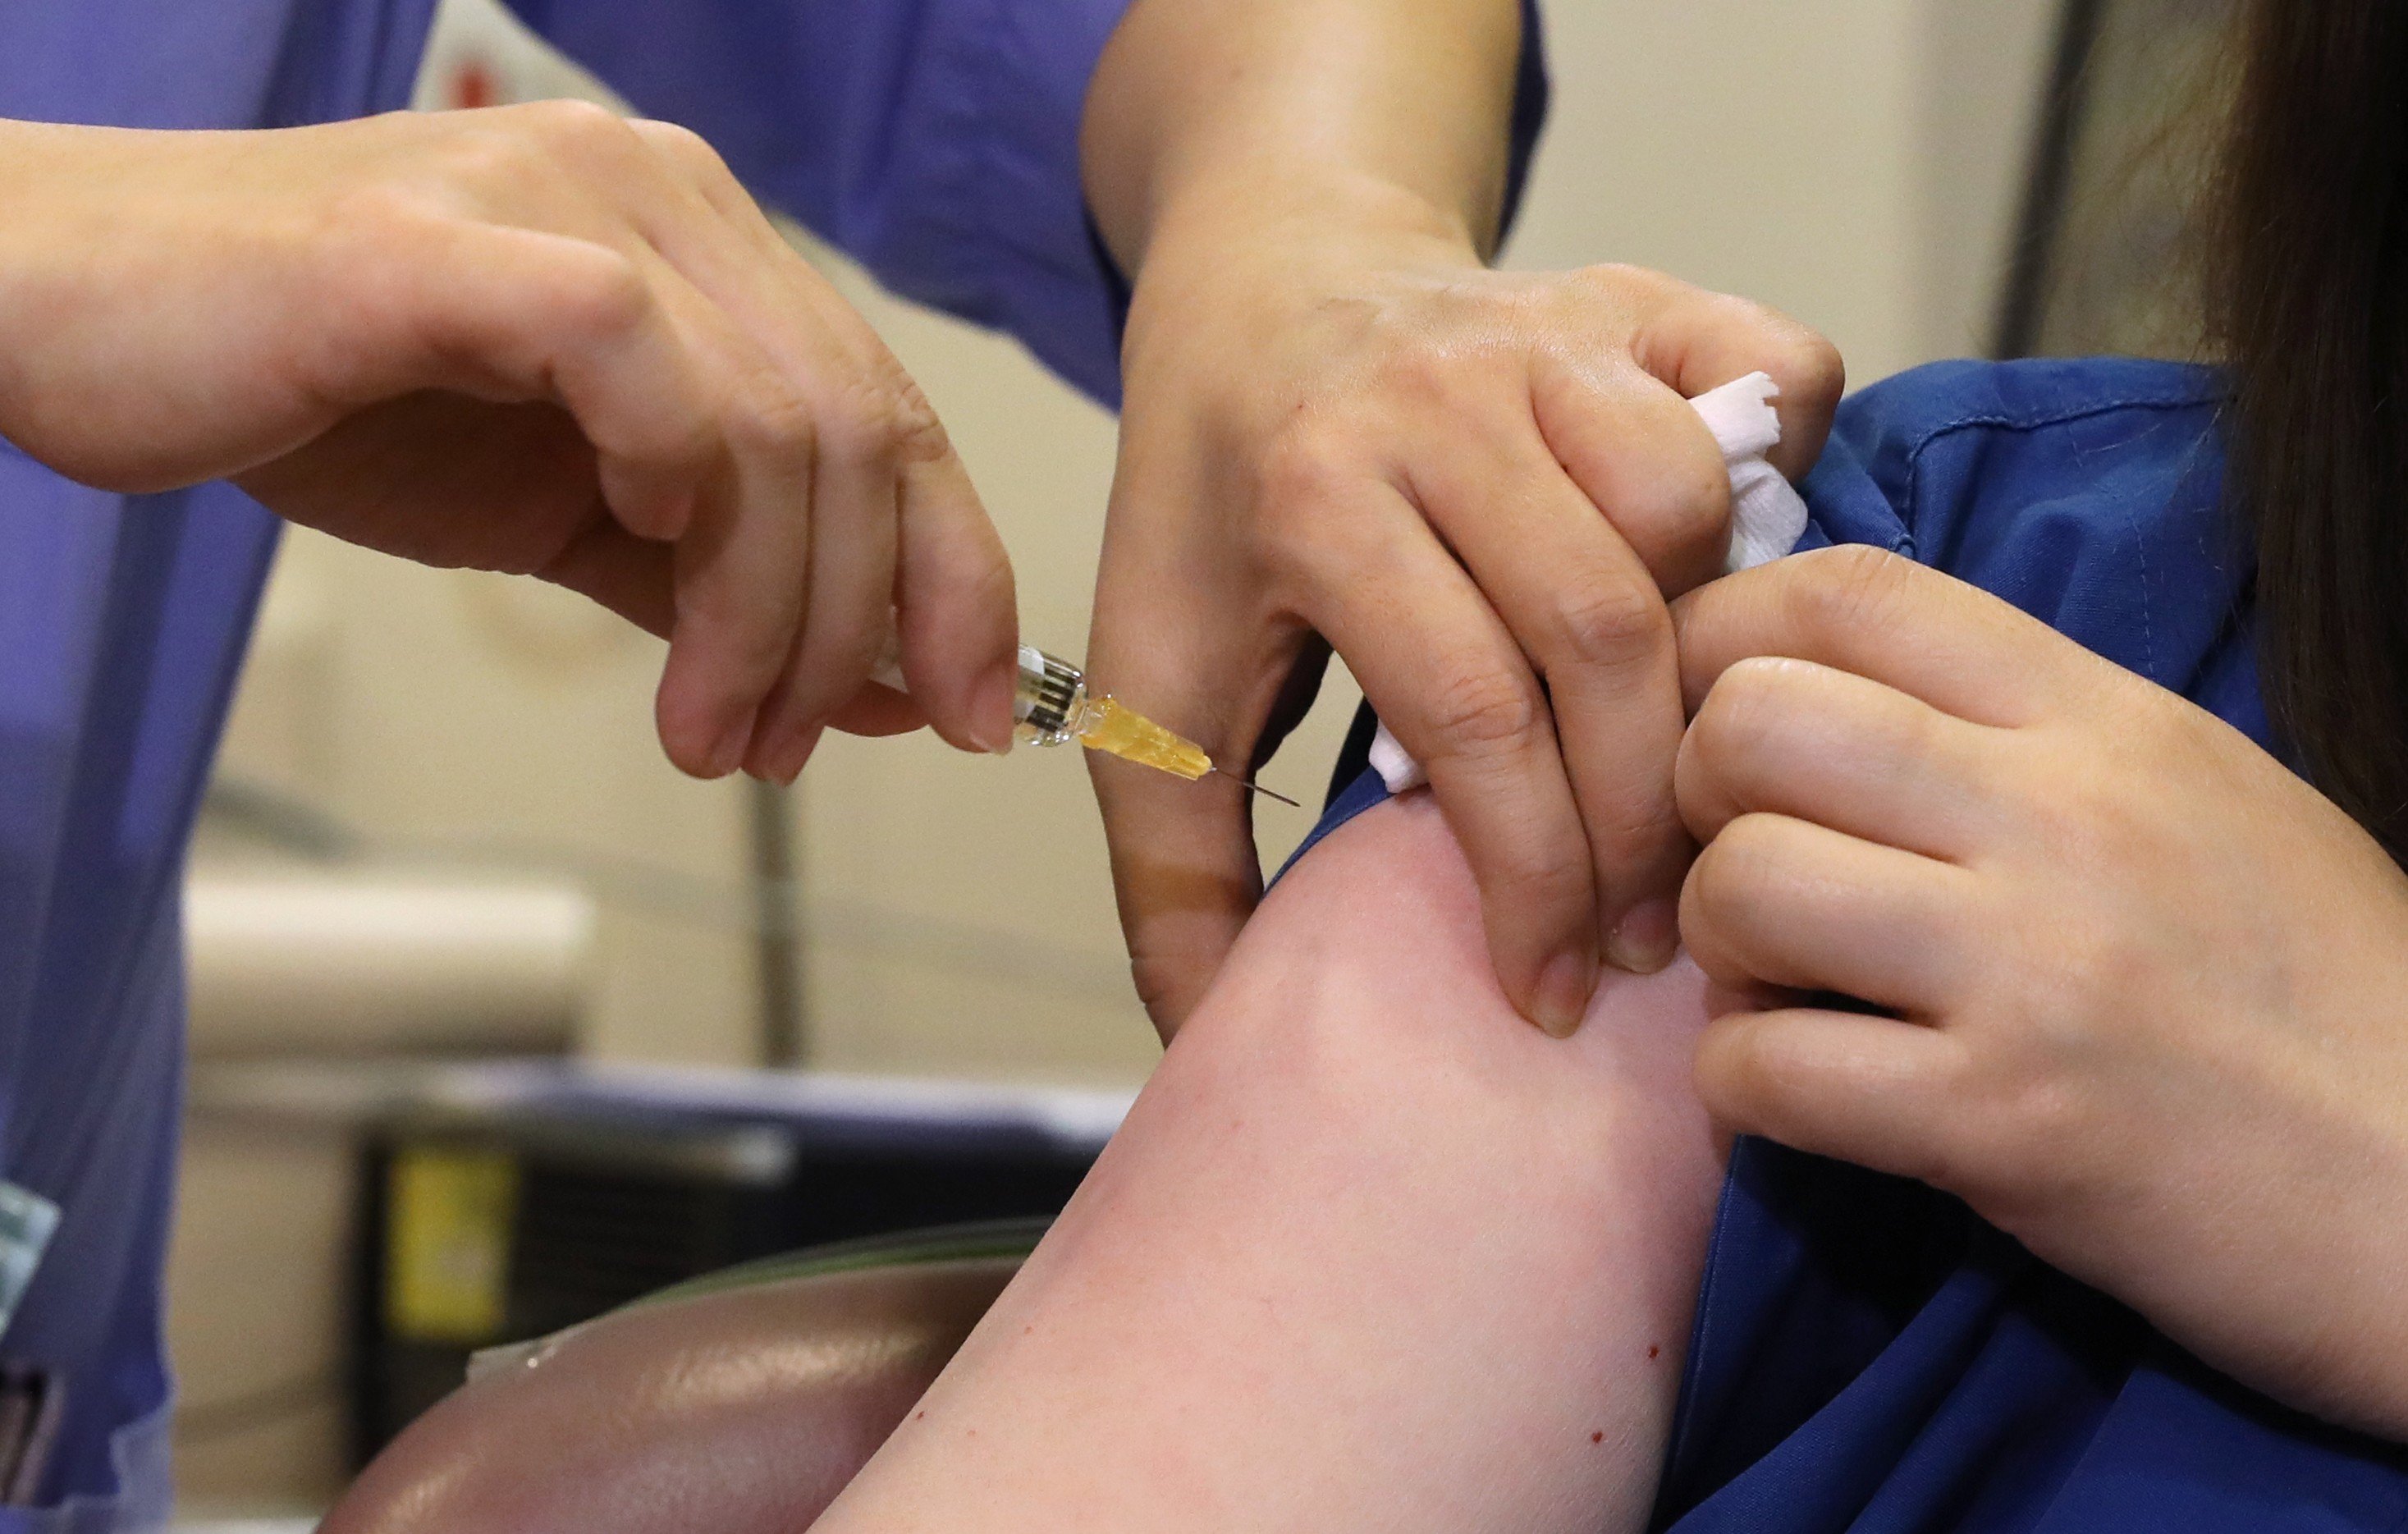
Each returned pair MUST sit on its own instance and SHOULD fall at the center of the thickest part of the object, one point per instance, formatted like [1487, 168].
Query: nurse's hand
[2147, 990]
[537, 340]
[1480, 487]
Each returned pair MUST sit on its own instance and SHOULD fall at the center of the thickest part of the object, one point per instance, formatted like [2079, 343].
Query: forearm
[1370, 1253]
[1220, 116]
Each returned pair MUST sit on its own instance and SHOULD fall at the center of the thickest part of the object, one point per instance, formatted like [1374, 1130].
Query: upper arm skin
[1371, 1253]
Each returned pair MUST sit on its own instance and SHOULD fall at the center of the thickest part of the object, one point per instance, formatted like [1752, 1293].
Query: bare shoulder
[1370, 1252]
[1374, 943]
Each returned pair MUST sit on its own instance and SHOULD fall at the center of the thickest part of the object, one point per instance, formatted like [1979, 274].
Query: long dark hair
[2308, 300]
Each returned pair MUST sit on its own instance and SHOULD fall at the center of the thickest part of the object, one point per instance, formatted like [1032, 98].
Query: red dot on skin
[1597, 1437]
[472, 86]
[917, 1415]
[1652, 1350]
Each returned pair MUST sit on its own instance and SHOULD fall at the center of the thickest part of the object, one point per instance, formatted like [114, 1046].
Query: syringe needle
[1253, 787]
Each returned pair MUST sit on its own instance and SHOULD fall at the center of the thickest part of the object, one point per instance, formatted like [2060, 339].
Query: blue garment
[1869, 1355]
[934, 139]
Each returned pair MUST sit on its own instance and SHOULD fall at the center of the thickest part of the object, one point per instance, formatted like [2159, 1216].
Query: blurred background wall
[1858, 163]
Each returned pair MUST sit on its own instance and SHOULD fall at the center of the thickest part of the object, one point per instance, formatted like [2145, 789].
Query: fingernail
[788, 764]
[1644, 941]
[997, 693]
[728, 754]
[1565, 987]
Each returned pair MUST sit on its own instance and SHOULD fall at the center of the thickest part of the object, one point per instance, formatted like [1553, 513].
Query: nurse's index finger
[956, 613]
[897, 523]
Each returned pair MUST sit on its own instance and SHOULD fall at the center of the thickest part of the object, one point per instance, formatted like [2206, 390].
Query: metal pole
[778, 945]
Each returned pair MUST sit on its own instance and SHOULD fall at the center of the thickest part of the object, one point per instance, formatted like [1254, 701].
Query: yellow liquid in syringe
[1131, 736]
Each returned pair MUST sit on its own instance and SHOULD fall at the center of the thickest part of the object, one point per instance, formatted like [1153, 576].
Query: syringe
[1054, 707]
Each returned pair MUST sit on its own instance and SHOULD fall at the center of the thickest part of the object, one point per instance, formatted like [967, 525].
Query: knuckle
[1956, 1160]
[911, 422]
[369, 216]
[1165, 984]
[1749, 1079]
[2088, 818]
[1800, 359]
[600, 293]
[991, 587]
[1684, 495]
[2092, 968]
[1735, 1072]
[1475, 710]
[1850, 590]
[681, 144]
[768, 416]
[858, 420]
[1611, 623]
[1304, 470]
[570, 122]
[1426, 370]
[1712, 896]
[1744, 710]
[883, 418]
[1791, 342]
[1810, 369]
[485, 155]
[1736, 873]
[2010, 1152]
[370, 240]
[1626, 285]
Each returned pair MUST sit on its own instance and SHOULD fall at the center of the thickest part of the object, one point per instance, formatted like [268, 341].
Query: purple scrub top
[934, 139]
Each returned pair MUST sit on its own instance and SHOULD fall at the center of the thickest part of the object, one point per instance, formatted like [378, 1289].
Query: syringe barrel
[1050, 708]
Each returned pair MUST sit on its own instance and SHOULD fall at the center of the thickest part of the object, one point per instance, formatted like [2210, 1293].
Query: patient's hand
[1370, 1253]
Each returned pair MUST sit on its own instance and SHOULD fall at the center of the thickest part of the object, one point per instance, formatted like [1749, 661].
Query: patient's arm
[1372, 1253]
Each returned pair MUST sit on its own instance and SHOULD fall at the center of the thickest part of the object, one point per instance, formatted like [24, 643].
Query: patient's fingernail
[1646, 940]
[1564, 989]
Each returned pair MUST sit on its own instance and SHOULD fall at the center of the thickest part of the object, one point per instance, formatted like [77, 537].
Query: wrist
[1250, 257]
[1267, 214]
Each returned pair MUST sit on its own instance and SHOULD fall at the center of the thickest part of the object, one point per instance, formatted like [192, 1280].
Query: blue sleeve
[2089, 493]
[935, 141]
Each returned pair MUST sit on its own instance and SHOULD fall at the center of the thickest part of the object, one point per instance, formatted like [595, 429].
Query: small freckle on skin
[1597, 1437]
[1652, 1350]
[917, 1416]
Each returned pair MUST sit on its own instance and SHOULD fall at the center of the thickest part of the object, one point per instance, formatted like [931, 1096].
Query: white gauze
[1767, 517]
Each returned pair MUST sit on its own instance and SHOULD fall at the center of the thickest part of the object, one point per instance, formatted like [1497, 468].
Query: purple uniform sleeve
[936, 141]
